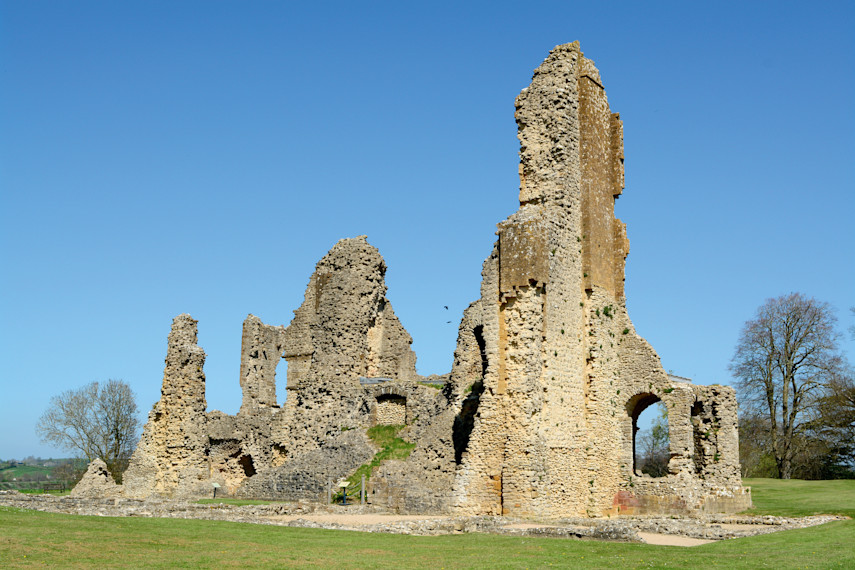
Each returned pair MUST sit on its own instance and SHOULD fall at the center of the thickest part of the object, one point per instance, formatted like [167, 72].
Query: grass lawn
[29, 538]
[797, 498]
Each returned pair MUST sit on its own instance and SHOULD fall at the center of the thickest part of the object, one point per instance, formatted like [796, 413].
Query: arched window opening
[651, 443]
[391, 410]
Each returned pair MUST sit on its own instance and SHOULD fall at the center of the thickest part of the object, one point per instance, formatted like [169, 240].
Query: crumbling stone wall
[345, 329]
[261, 349]
[171, 456]
[96, 483]
[564, 364]
[538, 416]
[391, 410]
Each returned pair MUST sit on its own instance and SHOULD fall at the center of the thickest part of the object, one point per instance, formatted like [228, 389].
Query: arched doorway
[650, 435]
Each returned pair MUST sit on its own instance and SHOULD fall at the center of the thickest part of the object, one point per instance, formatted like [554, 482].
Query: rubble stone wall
[539, 414]
[391, 411]
[171, 456]
[261, 350]
[567, 375]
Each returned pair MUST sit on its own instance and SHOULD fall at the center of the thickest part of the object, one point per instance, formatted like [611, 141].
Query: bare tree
[784, 361]
[70, 471]
[852, 327]
[99, 420]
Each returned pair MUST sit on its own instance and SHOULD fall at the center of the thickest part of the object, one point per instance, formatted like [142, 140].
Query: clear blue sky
[167, 157]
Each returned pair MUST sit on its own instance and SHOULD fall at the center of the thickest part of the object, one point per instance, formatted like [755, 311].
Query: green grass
[797, 498]
[391, 447]
[30, 538]
[43, 492]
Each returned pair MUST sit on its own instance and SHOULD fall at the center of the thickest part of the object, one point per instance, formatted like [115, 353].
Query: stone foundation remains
[538, 414]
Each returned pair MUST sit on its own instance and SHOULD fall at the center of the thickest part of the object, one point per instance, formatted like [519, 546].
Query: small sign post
[215, 486]
[342, 484]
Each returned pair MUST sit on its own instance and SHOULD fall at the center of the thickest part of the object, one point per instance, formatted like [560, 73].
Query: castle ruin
[538, 416]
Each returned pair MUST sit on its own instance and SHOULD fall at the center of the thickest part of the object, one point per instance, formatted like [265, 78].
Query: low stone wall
[371, 519]
[657, 497]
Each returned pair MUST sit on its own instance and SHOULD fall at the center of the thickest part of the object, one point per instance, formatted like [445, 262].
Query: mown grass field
[30, 539]
[797, 498]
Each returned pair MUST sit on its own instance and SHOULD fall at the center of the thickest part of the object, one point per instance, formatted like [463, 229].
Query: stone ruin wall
[565, 365]
[345, 330]
[391, 411]
[538, 415]
[171, 455]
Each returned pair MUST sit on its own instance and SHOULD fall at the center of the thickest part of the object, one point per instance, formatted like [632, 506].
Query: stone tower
[564, 376]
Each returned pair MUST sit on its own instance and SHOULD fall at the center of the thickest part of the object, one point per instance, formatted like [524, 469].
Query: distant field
[23, 471]
[31, 539]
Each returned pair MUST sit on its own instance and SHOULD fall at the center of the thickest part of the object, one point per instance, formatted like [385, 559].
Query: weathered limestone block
[239, 446]
[97, 482]
[346, 327]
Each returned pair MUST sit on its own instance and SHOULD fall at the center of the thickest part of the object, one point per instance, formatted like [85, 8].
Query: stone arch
[390, 406]
[635, 405]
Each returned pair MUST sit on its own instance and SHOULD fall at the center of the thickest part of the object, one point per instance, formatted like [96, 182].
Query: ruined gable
[346, 328]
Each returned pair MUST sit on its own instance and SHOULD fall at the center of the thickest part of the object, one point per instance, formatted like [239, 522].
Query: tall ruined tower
[172, 452]
[564, 376]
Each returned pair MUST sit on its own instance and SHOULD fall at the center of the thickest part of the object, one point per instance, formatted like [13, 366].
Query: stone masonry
[538, 416]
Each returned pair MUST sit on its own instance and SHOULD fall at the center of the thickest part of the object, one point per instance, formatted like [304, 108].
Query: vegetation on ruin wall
[33, 539]
[391, 447]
